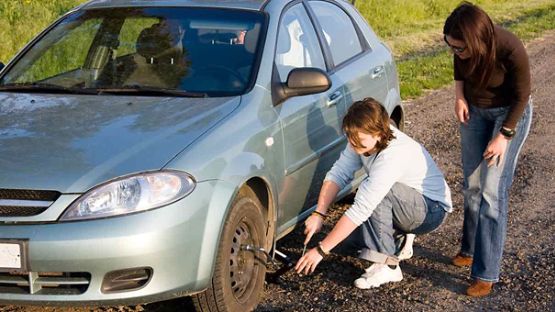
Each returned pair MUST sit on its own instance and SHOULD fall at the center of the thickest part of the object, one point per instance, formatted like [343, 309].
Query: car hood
[69, 143]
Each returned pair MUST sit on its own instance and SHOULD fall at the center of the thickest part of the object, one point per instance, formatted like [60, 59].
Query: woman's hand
[312, 225]
[308, 262]
[461, 110]
[496, 150]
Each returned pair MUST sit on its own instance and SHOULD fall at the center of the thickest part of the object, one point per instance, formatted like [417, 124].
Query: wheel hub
[241, 262]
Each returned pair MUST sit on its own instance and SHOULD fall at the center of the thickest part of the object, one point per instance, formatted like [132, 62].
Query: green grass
[21, 20]
[425, 72]
[411, 28]
[431, 67]
[533, 24]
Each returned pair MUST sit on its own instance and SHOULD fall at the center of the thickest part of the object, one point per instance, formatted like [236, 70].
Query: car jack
[273, 277]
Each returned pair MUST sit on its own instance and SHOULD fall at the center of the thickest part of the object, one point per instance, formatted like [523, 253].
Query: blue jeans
[486, 189]
[403, 210]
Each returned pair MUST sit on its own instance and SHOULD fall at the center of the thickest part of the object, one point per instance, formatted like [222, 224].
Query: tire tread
[213, 299]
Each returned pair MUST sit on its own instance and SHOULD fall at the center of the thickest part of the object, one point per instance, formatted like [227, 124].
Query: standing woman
[492, 91]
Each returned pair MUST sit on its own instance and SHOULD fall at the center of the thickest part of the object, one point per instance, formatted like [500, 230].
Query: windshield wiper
[140, 90]
[41, 87]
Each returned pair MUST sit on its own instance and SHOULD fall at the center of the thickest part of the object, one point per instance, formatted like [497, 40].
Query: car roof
[232, 4]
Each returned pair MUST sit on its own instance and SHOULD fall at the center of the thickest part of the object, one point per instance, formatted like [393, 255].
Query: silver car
[154, 149]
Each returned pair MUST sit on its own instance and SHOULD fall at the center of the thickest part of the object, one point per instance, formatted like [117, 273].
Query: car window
[65, 53]
[338, 30]
[130, 31]
[297, 44]
[203, 51]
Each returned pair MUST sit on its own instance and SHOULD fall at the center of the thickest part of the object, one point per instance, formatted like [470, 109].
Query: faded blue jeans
[486, 189]
[403, 210]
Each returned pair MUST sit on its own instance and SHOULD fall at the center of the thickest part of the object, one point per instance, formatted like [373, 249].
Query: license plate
[12, 256]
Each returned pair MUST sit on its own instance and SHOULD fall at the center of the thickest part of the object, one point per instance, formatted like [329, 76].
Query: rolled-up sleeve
[343, 171]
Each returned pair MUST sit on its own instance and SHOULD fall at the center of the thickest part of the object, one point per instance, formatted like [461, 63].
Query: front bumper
[177, 242]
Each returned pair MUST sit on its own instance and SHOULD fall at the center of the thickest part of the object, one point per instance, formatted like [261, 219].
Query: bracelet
[506, 132]
[319, 214]
[321, 251]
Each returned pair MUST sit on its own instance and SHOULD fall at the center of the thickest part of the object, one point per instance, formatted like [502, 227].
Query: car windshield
[194, 51]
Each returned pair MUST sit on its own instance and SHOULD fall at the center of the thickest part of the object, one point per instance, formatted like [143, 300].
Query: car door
[361, 68]
[311, 124]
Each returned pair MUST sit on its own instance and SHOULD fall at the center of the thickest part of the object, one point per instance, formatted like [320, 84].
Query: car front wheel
[239, 274]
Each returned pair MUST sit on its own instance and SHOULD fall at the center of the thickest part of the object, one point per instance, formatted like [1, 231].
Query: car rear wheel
[397, 118]
[239, 274]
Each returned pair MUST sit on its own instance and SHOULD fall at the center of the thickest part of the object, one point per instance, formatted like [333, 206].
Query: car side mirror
[303, 81]
[2, 65]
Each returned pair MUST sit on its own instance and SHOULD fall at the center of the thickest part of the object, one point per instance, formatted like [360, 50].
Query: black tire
[397, 119]
[239, 274]
[394, 123]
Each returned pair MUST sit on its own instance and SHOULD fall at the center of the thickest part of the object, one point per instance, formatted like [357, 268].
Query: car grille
[23, 203]
[45, 283]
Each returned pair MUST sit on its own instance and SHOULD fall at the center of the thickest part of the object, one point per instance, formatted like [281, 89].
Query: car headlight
[131, 194]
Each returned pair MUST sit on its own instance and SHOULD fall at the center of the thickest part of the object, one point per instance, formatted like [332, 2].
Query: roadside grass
[21, 20]
[423, 73]
[431, 67]
[410, 26]
[413, 29]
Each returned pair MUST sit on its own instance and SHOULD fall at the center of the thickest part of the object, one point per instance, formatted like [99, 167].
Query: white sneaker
[378, 274]
[369, 271]
[406, 252]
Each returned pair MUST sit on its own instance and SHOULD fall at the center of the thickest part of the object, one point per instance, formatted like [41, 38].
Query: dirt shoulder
[431, 283]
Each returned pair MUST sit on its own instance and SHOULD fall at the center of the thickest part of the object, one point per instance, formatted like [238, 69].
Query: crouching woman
[403, 192]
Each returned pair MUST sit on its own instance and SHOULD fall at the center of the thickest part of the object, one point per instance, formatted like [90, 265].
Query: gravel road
[431, 283]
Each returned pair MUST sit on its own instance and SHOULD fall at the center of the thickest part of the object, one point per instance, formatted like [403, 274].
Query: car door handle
[334, 98]
[377, 72]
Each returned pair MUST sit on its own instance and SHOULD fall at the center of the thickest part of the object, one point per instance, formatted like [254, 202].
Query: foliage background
[21, 20]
